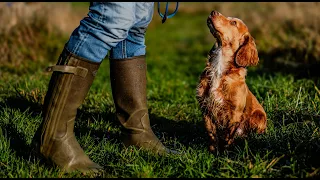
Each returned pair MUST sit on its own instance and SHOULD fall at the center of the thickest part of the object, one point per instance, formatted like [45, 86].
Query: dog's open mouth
[213, 51]
[214, 31]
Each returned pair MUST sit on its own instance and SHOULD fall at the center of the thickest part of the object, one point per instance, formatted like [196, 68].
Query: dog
[228, 107]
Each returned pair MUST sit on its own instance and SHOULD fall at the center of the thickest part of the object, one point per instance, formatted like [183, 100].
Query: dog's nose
[214, 13]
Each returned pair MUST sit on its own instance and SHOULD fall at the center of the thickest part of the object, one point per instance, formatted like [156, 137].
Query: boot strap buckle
[79, 71]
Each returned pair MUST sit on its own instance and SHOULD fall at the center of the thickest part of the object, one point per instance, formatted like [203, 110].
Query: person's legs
[106, 25]
[128, 70]
[134, 44]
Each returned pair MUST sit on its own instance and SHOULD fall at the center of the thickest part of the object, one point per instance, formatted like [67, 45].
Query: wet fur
[228, 106]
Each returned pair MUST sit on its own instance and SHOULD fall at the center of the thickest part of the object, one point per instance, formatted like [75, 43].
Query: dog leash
[166, 16]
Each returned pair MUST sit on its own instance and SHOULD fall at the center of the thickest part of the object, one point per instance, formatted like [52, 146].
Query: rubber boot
[128, 82]
[68, 87]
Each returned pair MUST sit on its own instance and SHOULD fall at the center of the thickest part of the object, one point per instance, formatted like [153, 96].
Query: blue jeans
[118, 27]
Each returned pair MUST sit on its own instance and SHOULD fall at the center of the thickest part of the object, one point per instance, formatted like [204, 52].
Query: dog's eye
[233, 23]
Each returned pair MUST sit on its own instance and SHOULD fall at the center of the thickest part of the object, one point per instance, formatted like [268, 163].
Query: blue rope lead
[166, 16]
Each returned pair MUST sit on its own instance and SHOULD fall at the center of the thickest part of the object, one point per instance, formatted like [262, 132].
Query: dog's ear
[247, 54]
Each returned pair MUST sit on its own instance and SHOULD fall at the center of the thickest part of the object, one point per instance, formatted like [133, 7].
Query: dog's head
[233, 34]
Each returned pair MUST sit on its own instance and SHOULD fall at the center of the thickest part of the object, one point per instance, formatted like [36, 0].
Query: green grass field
[176, 55]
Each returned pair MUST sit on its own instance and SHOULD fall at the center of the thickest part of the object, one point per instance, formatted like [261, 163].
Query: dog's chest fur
[217, 67]
[216, 100]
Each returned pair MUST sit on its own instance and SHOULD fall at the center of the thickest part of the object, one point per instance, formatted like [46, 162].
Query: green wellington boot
[128, 82]
[68, 87]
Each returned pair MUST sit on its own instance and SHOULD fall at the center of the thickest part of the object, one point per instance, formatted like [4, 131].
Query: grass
[176, 53]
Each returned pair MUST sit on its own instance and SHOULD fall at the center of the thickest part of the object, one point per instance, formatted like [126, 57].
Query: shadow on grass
[183, 132]
[188, 134]
[18, 141]
[81, 125]
[294, 137]
[299, 151]
[286, 117]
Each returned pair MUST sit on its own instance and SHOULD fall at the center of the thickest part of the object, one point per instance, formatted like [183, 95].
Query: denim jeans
[118, 27]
